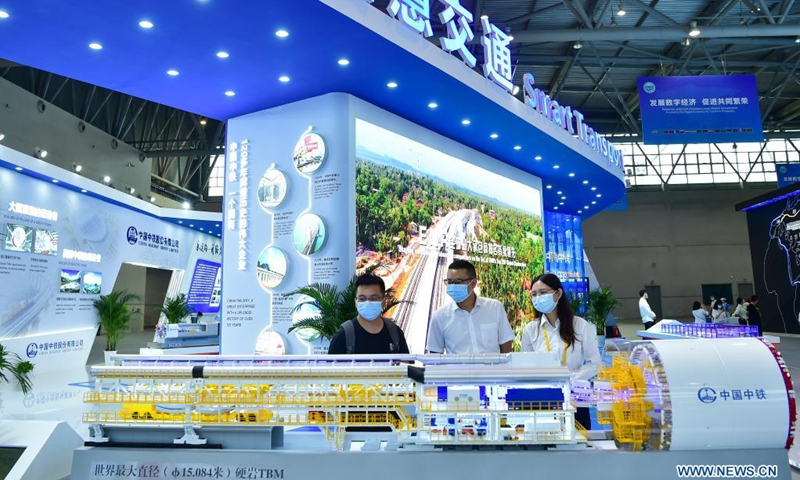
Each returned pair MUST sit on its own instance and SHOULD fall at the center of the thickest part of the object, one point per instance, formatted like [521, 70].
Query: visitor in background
[647, 314]
[754, 314]
[699, 313]
[718, 312]
[740, 312]
[470, 324]
[557, 331]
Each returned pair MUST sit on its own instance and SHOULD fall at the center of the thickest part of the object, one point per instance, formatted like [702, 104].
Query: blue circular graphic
[32, 350]
[707, 395]
[782, 169]
[29, 400]
[133, 235]
[649, 87]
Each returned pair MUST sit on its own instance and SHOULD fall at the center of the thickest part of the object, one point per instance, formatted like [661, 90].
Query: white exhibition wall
[60, 249]
[290, 213]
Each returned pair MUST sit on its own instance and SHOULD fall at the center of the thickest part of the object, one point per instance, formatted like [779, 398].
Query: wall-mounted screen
[418, 209]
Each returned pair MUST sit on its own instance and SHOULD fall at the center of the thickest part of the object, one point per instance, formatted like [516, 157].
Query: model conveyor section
[656, 395]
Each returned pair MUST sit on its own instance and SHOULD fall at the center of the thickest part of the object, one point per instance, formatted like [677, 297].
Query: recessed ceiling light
[186, 205]
[173, 73]
[556, 167]
[598, 195]
[564, 197]
[558, 192]
[392, 84]
[515, 90]
[494, 136]
[561, 203]
[539, 157]
[433, 105]
[83, 190]
[152, 199]
[223, 54]
[571, 174]
[282, 33]
[586, 182]
[3, 14]
[106, 179]
[146, 24]
[217, 225]
[594, 188]
[55, 181]
[191, 225]
[230, 93]
[580, 211]
[586, 207]
[517, 147]
[19, 169]
[2, 136]
[484, 16]
[284, 78]
[549, 187]
[343, 62]
[180, 221]
[95, 46]
[201, 229]
[594, 202]
[555, 208]
[466, 121]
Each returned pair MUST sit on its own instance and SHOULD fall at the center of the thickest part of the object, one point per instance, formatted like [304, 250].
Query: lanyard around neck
[547, 343]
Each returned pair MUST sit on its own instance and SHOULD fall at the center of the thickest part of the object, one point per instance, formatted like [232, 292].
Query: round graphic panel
[271, 267]
[309, 234]
[272, 189]
[270, 342]
[305, 308]
[309, 153]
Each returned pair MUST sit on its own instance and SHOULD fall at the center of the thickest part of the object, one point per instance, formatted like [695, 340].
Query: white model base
[48, 449]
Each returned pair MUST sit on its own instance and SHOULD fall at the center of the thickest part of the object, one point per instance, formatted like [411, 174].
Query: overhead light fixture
[613, 21]
[186, 206]
[19, 169]
[180, 221]
[152, 199]
[577, 45]
[284, 78]
[598, 195]
[3, 14]
[203, 121]
[571, 174]
[201, 229]
[83, 190]
[594, 188]
[95, 46]
[586, 207]
[343, 62]
[561, 203]
[146, 24]
[515, 90]
[564, 197]
[621, 11]
[217, 225]
[230, 93]
[549, 187]
[433, 105]
[40, 153]
[517, 147]
[686, 42]
[494, 136]
[55, 181]
[223, 54]
[173, 73]
[555, 208]
[580, 211]
[2, 136]
[511, 38]
[586, 182]
[484, 17]
[392, 84]
[191, 225]
[130, 190]
[556, 167]
[594, 202]
[559, 192]
[539, 157]
[77, 167]
[106, 179]
[466, 121]
[281, 33]
[694, 31]
[797, 40]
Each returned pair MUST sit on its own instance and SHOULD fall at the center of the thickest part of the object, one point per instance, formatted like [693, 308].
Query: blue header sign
[788, 174]
[705, 109]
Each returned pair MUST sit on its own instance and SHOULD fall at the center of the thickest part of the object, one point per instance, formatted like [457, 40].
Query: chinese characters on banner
[416, 14]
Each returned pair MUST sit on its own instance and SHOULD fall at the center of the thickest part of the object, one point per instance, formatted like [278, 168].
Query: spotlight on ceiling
[186, 205]
[106, 179]
[40, 153]
[130, 190]
[152, 199]
[694, 31]
[2, 136]
[686, 42]
[577, 45]
[515, 90]
[77, 168]
[621, 11]
[203, 121]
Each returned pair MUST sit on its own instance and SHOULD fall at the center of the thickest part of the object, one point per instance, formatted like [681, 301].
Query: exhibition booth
[353, 143]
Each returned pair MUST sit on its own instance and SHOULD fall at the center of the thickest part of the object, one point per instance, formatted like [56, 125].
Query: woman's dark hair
[717, 304]
[696, 306]
[565, 314]
[739, 301]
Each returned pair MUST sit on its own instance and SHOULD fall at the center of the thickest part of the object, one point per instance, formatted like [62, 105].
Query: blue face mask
[544, 303]
[458, 293]
[369, 310]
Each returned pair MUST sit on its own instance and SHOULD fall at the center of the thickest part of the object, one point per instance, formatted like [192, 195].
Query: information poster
[205, 291]
[788, 174]
[418, 209]
[702, 109]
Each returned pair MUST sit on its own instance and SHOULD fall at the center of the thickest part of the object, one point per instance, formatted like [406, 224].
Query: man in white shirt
[648, 316]
[469, 324]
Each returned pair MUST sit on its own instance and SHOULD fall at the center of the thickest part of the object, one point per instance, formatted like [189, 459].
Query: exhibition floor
[59, 396]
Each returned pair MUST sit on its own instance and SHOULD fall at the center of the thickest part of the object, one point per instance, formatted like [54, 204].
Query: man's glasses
[374, 298]
[458, 281]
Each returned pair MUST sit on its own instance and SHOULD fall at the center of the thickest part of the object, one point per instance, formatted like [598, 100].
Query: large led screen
[775, 248]
[418, 209]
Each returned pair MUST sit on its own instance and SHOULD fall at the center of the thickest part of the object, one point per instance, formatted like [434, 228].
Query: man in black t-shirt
[754, 314]
[372, 334]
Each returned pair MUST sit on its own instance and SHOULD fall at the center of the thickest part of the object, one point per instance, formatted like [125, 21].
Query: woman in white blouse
[559, 332]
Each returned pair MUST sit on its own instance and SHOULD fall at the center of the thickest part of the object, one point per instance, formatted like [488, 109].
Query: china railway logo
[32, 350]
[707, 395]
[133, 235]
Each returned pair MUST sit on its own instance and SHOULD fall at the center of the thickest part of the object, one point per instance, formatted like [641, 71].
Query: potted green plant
[12, 365]
[601, 303]
[176, 309]
[336, 306]
[114, 316]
